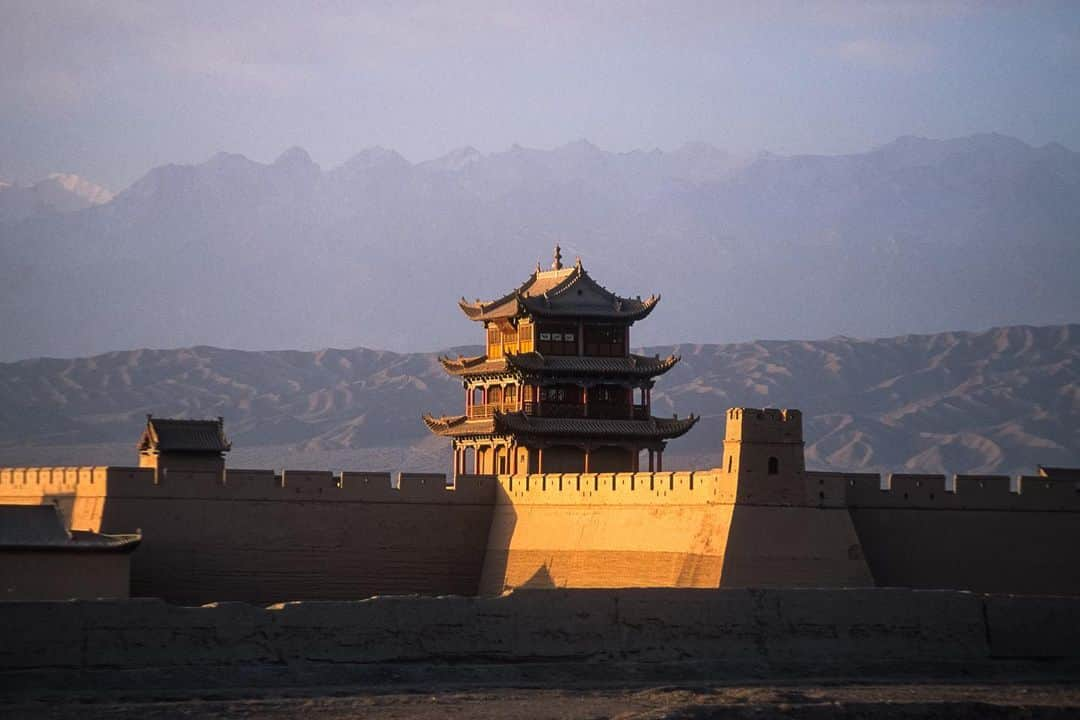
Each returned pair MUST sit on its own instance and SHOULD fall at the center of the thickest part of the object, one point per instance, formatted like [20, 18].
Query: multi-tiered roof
[567, 300]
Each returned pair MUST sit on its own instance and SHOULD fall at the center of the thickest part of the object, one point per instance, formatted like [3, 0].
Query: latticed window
[605, 340]
[557, 340]
[553, 394]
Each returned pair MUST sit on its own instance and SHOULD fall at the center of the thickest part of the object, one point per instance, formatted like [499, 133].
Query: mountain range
[56, 194]
[917, 235]
[1001, 401]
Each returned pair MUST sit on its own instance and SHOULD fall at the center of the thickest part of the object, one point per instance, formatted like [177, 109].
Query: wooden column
[651, 468]
[540, 460]
[586, 459]
[585, 400]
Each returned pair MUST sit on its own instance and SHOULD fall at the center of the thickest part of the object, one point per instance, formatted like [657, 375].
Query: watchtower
[765, 443]
[558, 389]
[183, 444]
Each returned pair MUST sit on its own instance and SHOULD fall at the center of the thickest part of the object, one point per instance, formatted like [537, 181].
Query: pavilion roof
[520, 423]
[175, 435]
[534, 362]
[653, 428]
[560, 292]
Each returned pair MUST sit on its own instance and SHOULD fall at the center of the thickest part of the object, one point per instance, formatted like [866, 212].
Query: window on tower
[557, 340]
[605, 340]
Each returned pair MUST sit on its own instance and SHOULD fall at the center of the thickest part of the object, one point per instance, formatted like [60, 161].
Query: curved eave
[453, 426]
[534, 296]
[651, 429]
[473, 366]
[506, 306]
[626, 310]
[632, 366]
[678, 427]
[499, 309]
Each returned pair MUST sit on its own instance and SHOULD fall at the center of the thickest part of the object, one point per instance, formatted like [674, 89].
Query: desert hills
[1002, 401]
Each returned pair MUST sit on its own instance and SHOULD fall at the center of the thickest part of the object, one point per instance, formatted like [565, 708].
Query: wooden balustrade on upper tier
[563, 410]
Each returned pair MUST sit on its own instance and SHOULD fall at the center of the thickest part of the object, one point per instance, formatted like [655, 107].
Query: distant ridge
[914, 235]
[56, 194]
[1002, 401]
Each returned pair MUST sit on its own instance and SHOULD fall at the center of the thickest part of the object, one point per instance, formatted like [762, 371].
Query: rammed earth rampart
[575, 635]
[262, 536]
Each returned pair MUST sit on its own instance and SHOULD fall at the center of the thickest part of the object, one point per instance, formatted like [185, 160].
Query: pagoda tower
[558, 389]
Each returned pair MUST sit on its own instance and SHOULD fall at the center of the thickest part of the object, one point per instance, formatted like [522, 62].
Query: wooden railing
[595, 410]
[489, 409]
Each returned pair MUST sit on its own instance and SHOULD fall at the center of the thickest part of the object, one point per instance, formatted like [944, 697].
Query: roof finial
[557, 265]
[577, 262]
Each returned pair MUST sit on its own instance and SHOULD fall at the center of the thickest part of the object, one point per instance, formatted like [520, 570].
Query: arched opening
[494, 395]
[477, 396]
[774, 466]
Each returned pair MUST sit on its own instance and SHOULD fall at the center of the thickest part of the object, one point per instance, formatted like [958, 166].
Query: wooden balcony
[489, 409]
[599, 411]
[595, 410]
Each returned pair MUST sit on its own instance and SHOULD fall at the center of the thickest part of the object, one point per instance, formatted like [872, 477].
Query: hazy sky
[109, 89]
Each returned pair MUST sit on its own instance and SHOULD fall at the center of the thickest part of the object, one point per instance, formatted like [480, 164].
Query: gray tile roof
[653, 428]
[534, 362]
[174, 435]
[565, 292]
[520, 423]
[42, 527]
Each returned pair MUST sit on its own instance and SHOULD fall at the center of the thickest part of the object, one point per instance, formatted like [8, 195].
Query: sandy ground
[879, 702]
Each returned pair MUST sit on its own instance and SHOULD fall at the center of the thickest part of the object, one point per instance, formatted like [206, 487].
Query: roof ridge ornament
[557, 263]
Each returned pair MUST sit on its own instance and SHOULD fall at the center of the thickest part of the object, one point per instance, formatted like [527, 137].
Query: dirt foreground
[880, 702]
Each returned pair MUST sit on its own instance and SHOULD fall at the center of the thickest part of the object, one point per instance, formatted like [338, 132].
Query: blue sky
[110, 89]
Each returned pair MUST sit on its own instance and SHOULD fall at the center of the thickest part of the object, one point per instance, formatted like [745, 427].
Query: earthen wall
[737, 633]
[667, 529]
[989, 533]
[61, 575]
[259, 536]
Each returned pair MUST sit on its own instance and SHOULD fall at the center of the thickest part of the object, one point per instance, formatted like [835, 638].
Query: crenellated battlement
[812, 489]
[655, 488]
[35, 483]
[953, 492]
[771, 425]
[822, 488]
